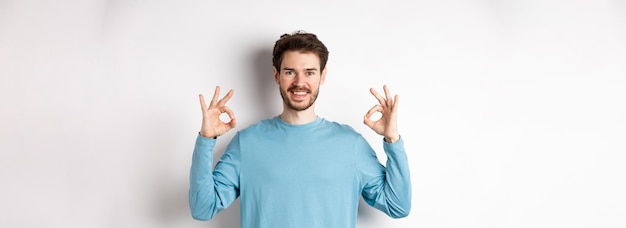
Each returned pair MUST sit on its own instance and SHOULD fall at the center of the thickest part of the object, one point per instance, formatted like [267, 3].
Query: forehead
[298, 59]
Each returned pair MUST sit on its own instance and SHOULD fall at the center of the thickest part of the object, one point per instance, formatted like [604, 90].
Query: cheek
[284, 84]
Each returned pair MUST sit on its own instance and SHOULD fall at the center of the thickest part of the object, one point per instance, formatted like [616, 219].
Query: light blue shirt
[288, 176]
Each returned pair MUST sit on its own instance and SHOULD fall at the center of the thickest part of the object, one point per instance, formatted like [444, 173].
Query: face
[299, 79]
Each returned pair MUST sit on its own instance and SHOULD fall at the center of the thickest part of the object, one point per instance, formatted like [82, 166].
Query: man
[298, 169]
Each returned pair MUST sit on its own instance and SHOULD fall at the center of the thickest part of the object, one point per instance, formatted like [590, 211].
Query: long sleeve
[311, 175]
[212, 191]
[387, 188]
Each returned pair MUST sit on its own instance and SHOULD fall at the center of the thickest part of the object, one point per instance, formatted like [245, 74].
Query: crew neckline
[318, 120]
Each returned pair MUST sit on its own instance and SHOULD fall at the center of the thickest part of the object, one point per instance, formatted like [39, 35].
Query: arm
[212, 191]
[387, 188]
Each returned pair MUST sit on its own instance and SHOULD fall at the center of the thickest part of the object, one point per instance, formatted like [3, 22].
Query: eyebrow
[307, 69]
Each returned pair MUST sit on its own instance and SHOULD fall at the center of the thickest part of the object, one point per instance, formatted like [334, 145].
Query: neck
[298, 117]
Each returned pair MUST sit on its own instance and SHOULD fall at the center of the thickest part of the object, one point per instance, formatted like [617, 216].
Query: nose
[299, 79]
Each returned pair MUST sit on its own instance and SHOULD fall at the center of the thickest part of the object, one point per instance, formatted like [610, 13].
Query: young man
[298, 169]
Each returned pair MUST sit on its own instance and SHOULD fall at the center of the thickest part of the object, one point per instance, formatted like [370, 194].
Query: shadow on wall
[172, 205]
[173, 195]
[265, 94]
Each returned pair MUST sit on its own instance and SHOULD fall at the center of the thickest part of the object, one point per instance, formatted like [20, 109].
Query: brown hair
[299, 41]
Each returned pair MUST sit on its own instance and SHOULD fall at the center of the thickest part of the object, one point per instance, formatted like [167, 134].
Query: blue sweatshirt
[309, 175]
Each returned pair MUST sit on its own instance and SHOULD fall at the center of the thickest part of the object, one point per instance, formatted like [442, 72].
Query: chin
[299, 107]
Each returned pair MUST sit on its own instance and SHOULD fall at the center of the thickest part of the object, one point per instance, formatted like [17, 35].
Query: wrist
[203, 135]
[392, 139]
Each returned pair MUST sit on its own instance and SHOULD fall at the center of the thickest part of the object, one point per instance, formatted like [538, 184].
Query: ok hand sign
[212, 125]
[387, 125]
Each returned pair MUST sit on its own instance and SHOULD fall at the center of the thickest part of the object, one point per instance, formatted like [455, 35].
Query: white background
[513, 112]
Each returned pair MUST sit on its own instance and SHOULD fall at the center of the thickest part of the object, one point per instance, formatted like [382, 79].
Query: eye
[288, 72]
[310, 73]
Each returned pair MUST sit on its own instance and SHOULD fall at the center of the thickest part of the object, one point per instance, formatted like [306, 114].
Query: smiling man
[298, 96]
[298, 169]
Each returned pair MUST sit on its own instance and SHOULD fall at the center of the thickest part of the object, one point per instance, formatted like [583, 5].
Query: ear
[276, 73]
[323, 77]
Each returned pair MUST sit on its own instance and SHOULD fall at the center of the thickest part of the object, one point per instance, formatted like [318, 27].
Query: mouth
[298, 94]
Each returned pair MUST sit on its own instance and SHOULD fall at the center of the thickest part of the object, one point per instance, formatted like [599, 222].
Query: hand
[387, 125]
[212, 125]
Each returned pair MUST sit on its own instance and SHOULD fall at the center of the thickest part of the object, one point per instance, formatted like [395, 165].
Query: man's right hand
[212, 125]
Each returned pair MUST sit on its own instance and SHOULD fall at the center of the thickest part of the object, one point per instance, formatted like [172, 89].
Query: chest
[298, 165]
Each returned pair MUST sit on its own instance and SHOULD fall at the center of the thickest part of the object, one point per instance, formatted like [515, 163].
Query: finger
[232, 123]
[367, 121]
[202, 104]
[367, 118]
[388, 96]
[228, 112]
[216, 94]
[396, 99]
[223, 101]
[375, 109]
[380, 99]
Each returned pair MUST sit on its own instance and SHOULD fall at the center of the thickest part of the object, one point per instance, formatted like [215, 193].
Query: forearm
[397, 179]
[387, 188]
[202, 189]
[211, 191]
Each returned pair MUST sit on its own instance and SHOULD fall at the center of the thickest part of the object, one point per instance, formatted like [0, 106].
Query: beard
[298, 107]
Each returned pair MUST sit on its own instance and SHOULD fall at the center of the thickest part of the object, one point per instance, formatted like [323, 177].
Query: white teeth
[299, 93]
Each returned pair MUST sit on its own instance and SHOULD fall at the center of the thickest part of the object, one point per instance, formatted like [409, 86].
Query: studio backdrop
[512, 111]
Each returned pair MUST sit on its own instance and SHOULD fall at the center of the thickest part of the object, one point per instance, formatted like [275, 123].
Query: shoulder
[260, 126]
[339, 127]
